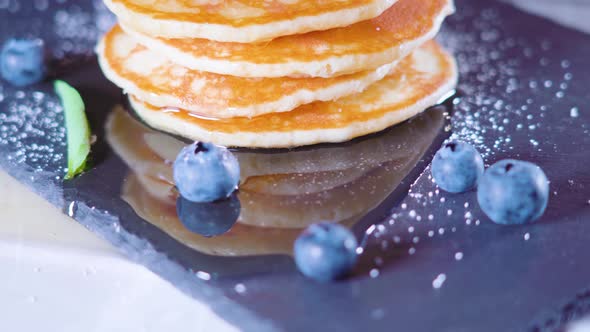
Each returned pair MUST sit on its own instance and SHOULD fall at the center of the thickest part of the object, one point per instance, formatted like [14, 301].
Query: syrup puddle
[282, 191]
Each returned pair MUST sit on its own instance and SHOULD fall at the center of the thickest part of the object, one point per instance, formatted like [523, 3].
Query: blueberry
[457, 167]
[325, 251]
[209, 219]
[22, 61]
[204, 172]
[513, 192]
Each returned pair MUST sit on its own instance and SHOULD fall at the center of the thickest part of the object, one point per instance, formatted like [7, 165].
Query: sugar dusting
[31, 121]
[439, 281]
[29, 118]
[497, 108]
[78, 29]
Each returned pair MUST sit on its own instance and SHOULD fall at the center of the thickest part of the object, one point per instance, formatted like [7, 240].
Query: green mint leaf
[77, 128]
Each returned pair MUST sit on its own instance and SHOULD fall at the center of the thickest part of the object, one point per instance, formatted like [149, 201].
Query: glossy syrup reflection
[281, 192]
[209, 219]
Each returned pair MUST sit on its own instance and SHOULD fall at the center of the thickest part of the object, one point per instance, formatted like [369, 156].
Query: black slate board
[514, 66]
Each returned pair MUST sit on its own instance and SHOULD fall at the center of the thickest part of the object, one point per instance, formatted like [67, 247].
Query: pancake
[369, 44]
[242, 21]
[154, 79]
[418, 82]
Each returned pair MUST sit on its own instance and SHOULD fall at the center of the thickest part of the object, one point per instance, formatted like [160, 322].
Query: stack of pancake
[281, 192]
[278, 73]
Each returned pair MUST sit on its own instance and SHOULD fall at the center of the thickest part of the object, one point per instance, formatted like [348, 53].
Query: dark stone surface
[502, 283]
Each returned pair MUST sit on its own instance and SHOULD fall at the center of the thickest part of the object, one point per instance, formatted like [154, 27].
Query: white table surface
[57, 276]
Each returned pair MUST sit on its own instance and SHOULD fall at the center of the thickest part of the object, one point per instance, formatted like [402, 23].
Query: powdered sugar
[31, 128]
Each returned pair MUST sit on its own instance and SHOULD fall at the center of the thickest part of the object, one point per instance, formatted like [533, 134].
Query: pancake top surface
[403, 23]
[249, 20]
[161, 82]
